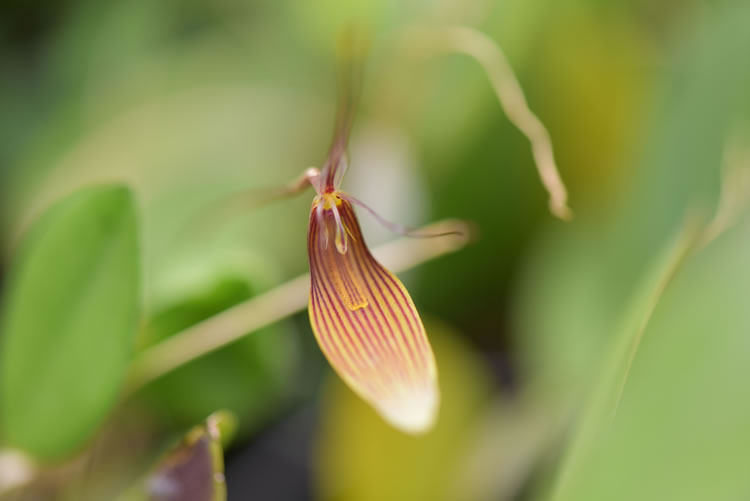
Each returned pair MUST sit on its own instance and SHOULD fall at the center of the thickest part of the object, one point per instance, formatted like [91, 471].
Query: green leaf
[680, 428]
[70, 311]
[583, 274]
[605, 397]
[667, 417]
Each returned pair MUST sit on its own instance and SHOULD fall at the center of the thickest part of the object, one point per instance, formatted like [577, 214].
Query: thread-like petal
[366, 324]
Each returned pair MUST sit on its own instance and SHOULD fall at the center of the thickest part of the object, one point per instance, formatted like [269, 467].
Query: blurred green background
[533, 325]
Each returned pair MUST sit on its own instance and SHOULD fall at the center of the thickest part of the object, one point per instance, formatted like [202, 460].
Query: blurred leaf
[676, 432]
[581, 277]
[70, 312]
[605, 396]
[248, 377]
[680, 431]
[361, 457]
[216, 82]
[194, 469]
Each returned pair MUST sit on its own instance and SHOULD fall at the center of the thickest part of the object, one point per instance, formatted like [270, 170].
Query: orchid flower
[362, 316]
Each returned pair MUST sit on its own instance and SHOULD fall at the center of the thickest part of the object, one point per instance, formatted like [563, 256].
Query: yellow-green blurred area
[603, 358]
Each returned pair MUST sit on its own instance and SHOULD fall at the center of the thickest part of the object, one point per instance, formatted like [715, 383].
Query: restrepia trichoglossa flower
[363, 318]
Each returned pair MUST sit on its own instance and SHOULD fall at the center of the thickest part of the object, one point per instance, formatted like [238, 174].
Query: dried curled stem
[489, 55]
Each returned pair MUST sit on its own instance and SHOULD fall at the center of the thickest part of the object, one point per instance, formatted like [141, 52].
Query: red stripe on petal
[340, 327]
[379, 346]
[411, 326]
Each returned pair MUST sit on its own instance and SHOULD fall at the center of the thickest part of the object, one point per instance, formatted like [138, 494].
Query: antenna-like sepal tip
[560, 210]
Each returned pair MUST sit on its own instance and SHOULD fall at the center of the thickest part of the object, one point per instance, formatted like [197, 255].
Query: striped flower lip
[365, 321]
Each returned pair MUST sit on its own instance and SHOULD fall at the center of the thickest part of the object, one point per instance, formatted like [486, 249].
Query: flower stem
[276, 304]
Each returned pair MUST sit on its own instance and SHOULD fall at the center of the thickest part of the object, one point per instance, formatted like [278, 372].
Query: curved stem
[272, 306]
[489, 55]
